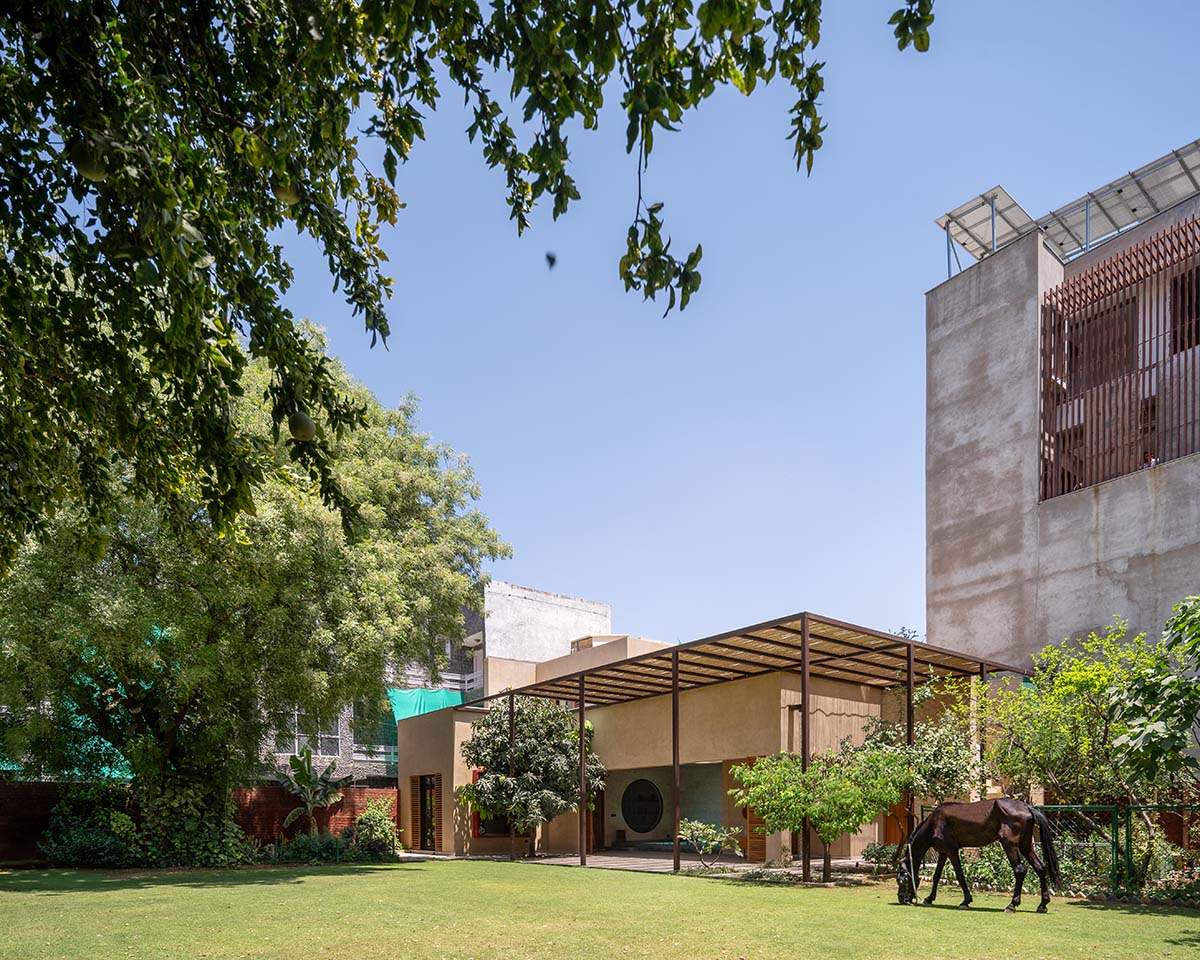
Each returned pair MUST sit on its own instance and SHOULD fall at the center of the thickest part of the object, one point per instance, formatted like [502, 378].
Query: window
[1102, 345]
[1062, 462]
[1116, 349]
[642, 806]
[378, 744]
[326, 744]
[458, 658]
[1185, 311]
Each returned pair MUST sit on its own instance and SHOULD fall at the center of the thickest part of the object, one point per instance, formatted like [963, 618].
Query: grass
[501, 911]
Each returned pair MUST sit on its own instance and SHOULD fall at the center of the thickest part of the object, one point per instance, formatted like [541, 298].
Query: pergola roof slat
[837, 650]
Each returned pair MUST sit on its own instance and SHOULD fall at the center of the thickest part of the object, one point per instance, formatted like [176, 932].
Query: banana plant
[313, 790]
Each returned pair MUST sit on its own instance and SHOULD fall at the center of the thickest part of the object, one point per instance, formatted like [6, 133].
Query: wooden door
[596, 824]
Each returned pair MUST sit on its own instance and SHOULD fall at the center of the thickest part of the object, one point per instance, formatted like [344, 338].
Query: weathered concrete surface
[1005, 574]
[981, 457]
[1129, 547]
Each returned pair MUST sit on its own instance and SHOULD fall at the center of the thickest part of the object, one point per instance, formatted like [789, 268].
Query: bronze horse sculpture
[952, 826]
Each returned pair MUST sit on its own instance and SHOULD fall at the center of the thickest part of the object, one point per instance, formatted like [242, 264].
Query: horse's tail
[1048, 853]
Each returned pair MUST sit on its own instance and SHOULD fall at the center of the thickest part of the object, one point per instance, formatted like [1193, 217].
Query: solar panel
[1083, 223]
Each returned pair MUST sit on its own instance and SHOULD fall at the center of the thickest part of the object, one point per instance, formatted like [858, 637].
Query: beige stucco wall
[717, 722]
[500, 674]
[618, 648]
[425, 745]
[838, 711]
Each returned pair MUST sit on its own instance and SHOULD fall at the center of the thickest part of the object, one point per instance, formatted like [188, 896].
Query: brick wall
[261, 810]
[24, 815]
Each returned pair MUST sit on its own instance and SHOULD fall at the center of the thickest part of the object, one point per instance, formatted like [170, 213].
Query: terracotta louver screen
[437, 811]
[414, 813]
[1120, 364]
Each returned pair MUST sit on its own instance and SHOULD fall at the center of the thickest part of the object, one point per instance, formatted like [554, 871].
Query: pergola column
[983, 672]
[909, 723]
[675, 753]
[512, 772]
[583, 790]
[805, 852]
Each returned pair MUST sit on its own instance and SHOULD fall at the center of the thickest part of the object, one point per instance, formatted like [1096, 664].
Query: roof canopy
[836, 650]
[1082, 223]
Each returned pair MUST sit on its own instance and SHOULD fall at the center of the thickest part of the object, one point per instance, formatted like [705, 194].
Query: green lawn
[509, 911]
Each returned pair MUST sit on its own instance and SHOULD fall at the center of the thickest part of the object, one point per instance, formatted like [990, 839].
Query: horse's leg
[937, 875]
[961, 877]
[1039, 868]
[1019, 870]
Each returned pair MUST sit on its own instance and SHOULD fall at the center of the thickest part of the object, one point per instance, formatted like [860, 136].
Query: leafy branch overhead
[150, 155]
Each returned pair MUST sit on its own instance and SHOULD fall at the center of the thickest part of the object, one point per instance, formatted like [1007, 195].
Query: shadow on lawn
[1140, 909]
[57, 882]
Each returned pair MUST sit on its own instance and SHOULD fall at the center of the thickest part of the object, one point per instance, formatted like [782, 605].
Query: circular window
[642, 806]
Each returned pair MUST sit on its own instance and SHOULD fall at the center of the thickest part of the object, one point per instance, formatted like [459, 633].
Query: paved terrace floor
[662, 861]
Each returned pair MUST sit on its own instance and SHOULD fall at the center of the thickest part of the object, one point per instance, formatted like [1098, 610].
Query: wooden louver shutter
[756, 842]
[752, 842]
[437, 811]
[414, 813]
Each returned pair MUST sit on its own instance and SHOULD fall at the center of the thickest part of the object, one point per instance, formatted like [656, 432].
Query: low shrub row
[96, 825]
[372, 838]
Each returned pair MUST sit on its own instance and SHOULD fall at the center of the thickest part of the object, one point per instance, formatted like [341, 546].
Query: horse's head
[906, 882]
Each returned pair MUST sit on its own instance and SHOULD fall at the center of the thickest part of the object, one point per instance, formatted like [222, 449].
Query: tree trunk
[826, 865]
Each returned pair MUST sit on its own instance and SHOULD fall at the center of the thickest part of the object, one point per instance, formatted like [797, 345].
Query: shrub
[190, 825]
[1082, 864]
[375, 831]
[106, 824]
[314, 848]
[709, 840]
[90, 827]
[880, 854]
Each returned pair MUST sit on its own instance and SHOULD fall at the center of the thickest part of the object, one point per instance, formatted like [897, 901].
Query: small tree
[313, 790]
[709, 840]
[545, 761]
[838, 793]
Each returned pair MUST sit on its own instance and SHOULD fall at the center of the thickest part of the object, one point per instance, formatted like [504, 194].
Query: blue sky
[763, 451]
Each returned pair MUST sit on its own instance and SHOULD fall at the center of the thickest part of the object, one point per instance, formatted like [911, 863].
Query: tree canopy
[1064, 728]
[838, 792]
[545, 757]
[153, 155]
[178, 650]
[1160, 705]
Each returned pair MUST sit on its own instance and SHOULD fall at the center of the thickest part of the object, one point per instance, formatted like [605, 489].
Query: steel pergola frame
[805, 643]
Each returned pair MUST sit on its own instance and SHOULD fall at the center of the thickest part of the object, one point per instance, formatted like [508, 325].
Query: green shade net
[412, 703]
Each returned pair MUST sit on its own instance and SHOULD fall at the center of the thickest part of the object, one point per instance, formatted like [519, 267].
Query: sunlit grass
[505, 911]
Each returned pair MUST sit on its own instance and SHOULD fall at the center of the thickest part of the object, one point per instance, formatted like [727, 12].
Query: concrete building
[519, 626]
[1063, 415]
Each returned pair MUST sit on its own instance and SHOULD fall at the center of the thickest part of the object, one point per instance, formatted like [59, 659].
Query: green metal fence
[1161, 849]
[1087, 839]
